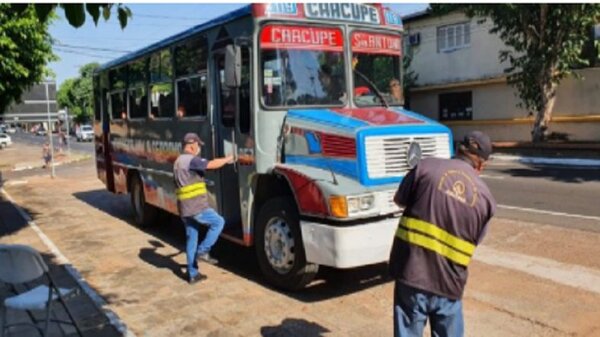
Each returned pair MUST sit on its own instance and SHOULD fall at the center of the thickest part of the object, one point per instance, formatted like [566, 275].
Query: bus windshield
[376, 65]
[302, 66]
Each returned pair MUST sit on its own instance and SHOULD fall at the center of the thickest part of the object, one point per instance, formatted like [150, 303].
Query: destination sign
[300, 37]
[376, 43]
[343, 11]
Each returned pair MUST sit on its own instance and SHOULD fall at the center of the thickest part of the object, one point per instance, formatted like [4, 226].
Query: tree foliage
[76, 94]
[546, 42]
[25, 49]
[76, 13]
[26, 46]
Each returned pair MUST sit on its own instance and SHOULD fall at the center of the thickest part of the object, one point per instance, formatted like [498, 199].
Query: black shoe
[197, 278]
[207, 258]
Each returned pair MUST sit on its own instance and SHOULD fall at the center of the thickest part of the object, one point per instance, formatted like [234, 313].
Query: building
[38, 103]
[461, 82]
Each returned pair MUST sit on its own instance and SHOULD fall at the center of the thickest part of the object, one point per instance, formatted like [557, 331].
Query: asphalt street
[564, 196]
[32, 139]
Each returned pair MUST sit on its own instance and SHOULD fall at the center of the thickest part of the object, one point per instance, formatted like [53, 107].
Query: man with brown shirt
[447, 209]
[192, 203]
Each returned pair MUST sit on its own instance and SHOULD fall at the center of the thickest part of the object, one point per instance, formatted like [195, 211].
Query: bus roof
[238, 13]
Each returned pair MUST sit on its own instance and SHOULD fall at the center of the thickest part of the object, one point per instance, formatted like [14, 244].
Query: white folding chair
[21, 264]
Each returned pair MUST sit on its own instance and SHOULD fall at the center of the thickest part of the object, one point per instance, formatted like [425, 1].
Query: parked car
[85, 133]
[10, 129]
[41, 132]
[5, 140]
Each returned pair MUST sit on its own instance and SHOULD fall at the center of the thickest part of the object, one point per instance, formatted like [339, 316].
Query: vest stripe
[439, 234]
[191, 191]
[435, 239]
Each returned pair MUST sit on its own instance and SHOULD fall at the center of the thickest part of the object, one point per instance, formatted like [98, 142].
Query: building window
[453, 37]
[456, 106]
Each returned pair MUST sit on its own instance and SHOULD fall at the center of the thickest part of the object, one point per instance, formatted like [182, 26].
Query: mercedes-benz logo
[413, 155]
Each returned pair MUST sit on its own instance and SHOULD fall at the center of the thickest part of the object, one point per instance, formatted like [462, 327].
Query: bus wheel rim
[279, 245]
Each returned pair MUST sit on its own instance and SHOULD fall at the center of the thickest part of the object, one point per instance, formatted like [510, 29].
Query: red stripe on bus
[378, 116]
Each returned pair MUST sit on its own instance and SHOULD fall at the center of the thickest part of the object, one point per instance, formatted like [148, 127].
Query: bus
[306, 97]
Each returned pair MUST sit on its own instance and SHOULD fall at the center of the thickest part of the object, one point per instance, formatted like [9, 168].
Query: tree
[546, 43]
[75, 13]
[26, 46]
[25, 49]
[76, 94]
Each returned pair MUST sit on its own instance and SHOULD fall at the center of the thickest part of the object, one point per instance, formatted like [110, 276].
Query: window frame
[259, 62]
[465, 118]
[207, 105]
[465, 31]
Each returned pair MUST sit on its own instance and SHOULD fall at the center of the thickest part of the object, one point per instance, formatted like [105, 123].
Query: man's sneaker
[207, 258]
[197, 278]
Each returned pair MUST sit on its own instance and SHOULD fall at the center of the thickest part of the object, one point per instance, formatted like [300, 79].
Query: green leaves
[75, 14]
[76, 94]
[25, 50]
[94, 11]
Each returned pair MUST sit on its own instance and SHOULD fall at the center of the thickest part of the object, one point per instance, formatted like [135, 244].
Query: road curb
[31, 167]
[98, 301]
[581, 162]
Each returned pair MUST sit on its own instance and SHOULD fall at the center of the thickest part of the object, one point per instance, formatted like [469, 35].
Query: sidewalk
[549, 153]
[88, 315]
[21, 156]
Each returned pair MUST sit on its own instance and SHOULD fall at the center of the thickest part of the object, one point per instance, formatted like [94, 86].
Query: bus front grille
[386, 156]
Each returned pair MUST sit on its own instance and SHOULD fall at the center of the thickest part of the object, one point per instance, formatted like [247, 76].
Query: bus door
[224, 117]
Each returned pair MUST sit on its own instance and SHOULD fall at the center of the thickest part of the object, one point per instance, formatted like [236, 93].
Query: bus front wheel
[279, 247]
[144, 213]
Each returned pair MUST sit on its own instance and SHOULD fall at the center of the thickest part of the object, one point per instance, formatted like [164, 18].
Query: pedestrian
[447, 208]
[46, 155]
[192, 203]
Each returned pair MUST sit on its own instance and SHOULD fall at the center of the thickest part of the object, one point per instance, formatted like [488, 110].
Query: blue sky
[150, 23]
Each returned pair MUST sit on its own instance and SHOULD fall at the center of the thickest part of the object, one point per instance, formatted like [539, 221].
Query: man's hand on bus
[217, 163]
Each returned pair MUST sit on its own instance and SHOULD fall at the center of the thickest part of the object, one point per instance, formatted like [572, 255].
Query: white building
[461, 82]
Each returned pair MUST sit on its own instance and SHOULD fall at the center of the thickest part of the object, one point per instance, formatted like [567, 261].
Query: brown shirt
[187, 170]
[449, 194]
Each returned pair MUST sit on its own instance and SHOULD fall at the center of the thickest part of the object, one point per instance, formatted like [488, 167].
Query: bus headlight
[342, 207]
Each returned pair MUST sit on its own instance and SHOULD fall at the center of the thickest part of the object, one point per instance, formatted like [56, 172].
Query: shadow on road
[151, 256]
[236, 259]
[294, 327]
[562, 174]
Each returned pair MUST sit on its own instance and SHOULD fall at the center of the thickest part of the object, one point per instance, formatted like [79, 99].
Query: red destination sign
[300, 37]
[376, 43]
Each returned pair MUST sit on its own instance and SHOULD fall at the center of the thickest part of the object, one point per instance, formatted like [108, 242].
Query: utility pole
[52, 173]
[67, 140]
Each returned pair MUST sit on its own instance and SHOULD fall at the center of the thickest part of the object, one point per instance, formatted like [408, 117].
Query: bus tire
[145, 214]
[279, 247]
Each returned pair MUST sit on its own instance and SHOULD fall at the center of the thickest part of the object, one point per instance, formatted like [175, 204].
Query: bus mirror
[233, 66]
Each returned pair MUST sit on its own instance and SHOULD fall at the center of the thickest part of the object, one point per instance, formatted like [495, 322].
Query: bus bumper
[347, 247]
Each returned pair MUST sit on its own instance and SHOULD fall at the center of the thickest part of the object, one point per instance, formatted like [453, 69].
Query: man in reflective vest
[447, 209]
[192, 202]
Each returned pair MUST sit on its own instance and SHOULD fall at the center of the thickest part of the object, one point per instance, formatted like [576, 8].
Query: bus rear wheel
[279, 248]
[144, 214]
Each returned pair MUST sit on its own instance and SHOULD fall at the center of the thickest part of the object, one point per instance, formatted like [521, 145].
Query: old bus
[307, 99]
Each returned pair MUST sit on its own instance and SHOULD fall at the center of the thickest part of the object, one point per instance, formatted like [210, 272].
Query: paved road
[32, 139]
[562, 196]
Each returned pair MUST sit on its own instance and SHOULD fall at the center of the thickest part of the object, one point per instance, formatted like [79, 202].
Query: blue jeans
[412, 308]
[215, 224]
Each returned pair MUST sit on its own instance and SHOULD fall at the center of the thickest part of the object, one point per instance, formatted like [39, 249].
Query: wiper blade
[369, 82]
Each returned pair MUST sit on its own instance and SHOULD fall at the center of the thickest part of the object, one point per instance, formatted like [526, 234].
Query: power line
[58, 49]
[168, 17]
[91, 48]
